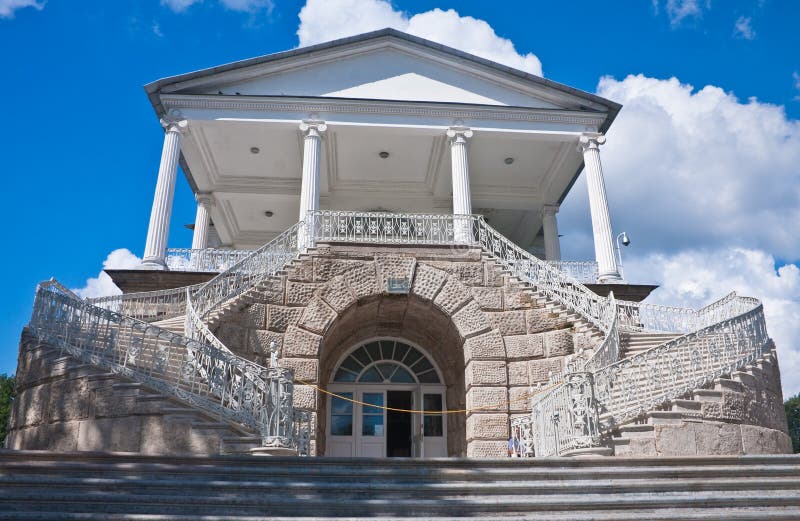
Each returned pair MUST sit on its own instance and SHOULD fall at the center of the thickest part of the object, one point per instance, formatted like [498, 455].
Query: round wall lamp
[269, 213]
[508, 160]
[383, 155]
[255, 150]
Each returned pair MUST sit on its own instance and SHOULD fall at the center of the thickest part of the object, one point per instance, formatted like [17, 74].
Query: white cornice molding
[380, 107]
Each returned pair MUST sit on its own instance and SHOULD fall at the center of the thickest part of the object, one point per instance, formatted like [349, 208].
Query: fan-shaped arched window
[386, 361]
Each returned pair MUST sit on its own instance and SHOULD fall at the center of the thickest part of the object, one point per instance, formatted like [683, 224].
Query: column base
[609, 278]
[153, 264]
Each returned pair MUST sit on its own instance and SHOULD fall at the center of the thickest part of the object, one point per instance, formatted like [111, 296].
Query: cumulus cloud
[796, 79]
[8, 7]
[324, 20]
[102, 285]
[247, 6]
[694, 278]
[679, 11]
[743, 28]
[708, 188]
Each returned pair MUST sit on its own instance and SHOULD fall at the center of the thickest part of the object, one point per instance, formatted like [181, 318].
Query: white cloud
[102, 285]
[157, 30]
[796, 78]
[248, 6]
[708, 188]
[325, 20]
[680, 10]
[688, 168]
[7, 7]
[694, 278]
[743, 28]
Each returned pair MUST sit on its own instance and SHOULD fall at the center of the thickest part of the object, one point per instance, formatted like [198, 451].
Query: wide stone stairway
[86, 486]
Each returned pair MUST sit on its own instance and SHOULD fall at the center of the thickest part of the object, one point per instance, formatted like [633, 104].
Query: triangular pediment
[385, 65]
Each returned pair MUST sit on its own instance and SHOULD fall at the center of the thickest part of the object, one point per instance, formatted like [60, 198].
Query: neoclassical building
[375, 271]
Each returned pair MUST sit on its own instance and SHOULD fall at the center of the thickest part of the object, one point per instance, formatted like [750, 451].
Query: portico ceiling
[384, 92]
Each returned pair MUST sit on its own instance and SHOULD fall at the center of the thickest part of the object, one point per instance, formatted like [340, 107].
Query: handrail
[196, 373]
[634, 385]
[149, 306]
[208, 260]
[585, 272]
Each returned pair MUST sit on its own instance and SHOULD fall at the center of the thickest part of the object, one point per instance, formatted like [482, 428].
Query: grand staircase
[646, 355]
[44, 485]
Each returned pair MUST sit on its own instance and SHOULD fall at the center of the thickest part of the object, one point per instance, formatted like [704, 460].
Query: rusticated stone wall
[491, 341]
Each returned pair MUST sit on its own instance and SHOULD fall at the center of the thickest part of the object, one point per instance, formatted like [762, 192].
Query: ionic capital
[313, 128]
[171, 124]
[459, 134]
[590, 141]
[205, 199]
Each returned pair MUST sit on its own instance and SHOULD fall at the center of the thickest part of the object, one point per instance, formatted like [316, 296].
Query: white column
[155, 248]
[459, 160]
[552, 247]
[589, 145]
[201, 221]
[309, 189]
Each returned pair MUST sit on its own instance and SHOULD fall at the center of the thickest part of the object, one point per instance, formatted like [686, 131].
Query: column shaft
[552, 246]
[202, 221]
[459, 160]
[158, 231]
[598, 205]
[309, 189]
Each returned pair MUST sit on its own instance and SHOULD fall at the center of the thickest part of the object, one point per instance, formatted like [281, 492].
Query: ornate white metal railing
[585, 272]
[390, 228]
[196, 373]
[149, 306]
[206, 260]
[634, 385]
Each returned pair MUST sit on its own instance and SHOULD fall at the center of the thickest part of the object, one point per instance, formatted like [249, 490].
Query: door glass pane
[352, 364]
[372, 417]
[342, 415]
[374, 351]
[360, 354]
[432, 423]
[344, 376]
[401, 376]
[387, 369]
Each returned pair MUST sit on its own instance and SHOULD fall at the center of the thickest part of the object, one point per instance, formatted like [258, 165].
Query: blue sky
[80, 143]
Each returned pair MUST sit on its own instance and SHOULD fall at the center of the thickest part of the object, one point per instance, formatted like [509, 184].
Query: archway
[375, 384]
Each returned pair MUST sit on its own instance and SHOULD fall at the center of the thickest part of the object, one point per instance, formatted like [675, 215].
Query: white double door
[362, 422]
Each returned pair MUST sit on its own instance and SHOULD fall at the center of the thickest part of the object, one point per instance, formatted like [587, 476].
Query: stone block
[32, 404]
[637, 448]
[299, 343]
[69, 400]
[518, 373]
[337, 294]
[487, 426]
[305, 397]
[675, 439]
[253, 316]
[452, 296]
[585, 342]
[515, 298]
[59, 437]
[540, 320]
[519, 399]
[470, 320]
[317, 316]
[525, 347]
[488, 298]
[362, 280]
[260, 341]
[109, 404]
[305, 369]
[487, 449]
[300, 293]
[539, 370]
[558, 343]
[487, 399]
[488, 346]
[281, 317]
[301, 271]
[485, 374]
[327, 268]
[508, 322]
[428, 281]
[761, 440]
[394, 266]
[492, 275]
[110, 434]
[717, 439]
[392, 309]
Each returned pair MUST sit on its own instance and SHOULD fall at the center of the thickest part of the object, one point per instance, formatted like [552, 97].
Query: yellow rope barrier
[525, 396]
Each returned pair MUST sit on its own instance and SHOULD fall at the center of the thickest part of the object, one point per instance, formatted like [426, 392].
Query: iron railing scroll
[210, 260]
